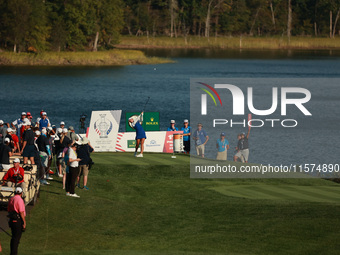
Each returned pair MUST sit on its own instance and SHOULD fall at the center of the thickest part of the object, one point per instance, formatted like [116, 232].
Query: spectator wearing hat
[18, 123]
[172, 126]
[186, 136]
[17, 218]
[20, 132]
[201, 138]
[29, 116]
[15, 176]
[28, 149]
[71, 134]
[44, 122]
[61, 145]
[5, 154]
[222, 146]
[9, 136]
[3, 131]
[62, 124]
[84, 151]
[242, 148]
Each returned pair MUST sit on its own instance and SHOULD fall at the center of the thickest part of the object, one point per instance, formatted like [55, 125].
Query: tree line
[37, 25]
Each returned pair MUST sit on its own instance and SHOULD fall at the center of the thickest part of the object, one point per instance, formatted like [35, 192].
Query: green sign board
[150, 121]
[131, 143]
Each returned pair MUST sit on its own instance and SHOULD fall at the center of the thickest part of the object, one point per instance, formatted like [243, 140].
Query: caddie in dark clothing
[44, 153]
[83, 152]
[28, 149]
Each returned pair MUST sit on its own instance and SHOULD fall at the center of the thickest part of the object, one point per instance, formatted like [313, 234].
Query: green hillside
[151, 206]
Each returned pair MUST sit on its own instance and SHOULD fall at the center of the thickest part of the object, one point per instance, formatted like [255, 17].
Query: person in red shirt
[17, 218]
[15, 175]
[15, 139]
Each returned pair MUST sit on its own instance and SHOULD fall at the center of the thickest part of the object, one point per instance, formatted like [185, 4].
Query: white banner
[156, 141]
[103, 130]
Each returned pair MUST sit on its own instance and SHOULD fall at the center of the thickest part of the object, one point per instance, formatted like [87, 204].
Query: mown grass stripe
[318, 193]
[287, 193]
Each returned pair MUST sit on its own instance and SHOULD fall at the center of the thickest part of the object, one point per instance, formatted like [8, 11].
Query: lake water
[67, 92]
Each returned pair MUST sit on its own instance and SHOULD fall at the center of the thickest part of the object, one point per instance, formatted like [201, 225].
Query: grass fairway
[147, 206]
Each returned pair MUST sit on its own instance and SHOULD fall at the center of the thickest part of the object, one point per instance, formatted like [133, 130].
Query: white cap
[44, 113]
[44, 131]
[65, 130]
[172, 121]
[49, 128]
[18, 190]
[9, 130]
[85, 140]
[1, 122]
[27, 123]
[7, 140]
[62, 123]
[186, 121]
[25, 119]
[23, 113]
[59, 130]
[16, 160]
[37, 133]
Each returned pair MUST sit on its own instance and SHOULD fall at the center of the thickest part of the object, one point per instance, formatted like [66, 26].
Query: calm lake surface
[67, 92]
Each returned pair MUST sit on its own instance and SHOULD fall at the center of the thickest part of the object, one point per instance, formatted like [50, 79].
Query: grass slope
[100, 58]
[139, 206]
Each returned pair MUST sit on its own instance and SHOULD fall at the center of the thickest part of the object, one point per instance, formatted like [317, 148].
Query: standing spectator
[15, 139]
[17, 221]
[71, 134]
[15, 176]
[22, 130]
[172, 126]
[18, 123]
[73, 171]
[44, 122]
[186, 136]
[45, 154]
[9, 136]
[29, 116]
[3, 131]
[51, 136]
[62, 143]
[84, 151]
[242, 148]
[5, 154]
[222, 146]
[28, 149]
[201, 138]
[62, 124]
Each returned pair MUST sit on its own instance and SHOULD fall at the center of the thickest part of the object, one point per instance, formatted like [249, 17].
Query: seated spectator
[15, 176]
